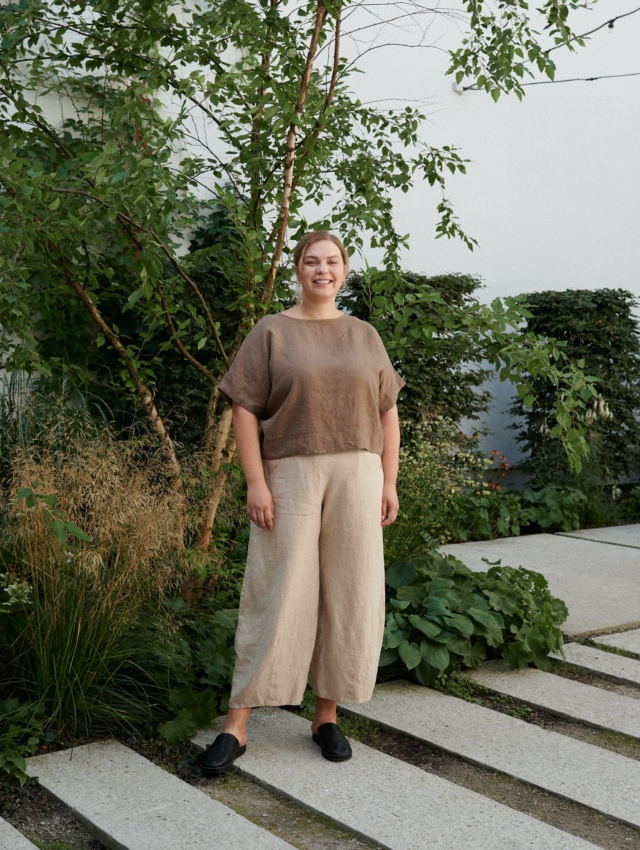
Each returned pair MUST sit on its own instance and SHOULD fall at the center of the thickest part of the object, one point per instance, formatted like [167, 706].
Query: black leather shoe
[332, 742]
[219, 757]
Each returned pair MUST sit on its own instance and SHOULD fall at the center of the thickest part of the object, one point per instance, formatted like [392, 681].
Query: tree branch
[174, 335]
[289, 161]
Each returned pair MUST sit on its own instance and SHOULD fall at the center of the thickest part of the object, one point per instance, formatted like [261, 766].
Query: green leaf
[435, 654]
[399, 574]
[475, 656]
[486, 618]
[388, 656]
[410, 654]
[425, 626]
[460, 624]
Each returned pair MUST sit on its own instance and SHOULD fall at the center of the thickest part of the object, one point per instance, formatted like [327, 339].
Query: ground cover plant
[442, 617]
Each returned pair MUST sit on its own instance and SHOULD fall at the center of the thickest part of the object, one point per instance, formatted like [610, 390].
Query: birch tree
[121, 117]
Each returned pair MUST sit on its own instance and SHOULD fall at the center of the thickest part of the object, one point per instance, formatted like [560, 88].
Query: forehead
[324, 249]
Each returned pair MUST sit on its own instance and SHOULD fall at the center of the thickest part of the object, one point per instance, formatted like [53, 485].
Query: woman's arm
[390, 462]
[260, 505]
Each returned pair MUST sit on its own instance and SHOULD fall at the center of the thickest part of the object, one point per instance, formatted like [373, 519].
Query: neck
[309, 310]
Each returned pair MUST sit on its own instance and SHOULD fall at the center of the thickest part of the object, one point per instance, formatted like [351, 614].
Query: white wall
[553, 190]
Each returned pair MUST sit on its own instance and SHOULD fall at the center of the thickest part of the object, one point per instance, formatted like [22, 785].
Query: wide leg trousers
[312, 601]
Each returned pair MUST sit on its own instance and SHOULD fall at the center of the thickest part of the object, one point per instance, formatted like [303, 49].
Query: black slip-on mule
[332, 742]
[219, 757]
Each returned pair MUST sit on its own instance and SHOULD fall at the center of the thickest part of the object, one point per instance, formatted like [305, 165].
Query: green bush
[443, 364]
[21, 733]
[448, 493]
[200, 677]
[442, 617]
[597, 328]
[497, 512]
[438, 465]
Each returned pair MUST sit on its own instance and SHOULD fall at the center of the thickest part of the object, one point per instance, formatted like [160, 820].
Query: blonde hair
[318, 236]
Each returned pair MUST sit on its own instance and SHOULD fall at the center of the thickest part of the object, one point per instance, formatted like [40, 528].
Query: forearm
[245, 426]
[391, 450]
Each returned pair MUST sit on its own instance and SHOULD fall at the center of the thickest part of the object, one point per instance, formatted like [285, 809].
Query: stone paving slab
[618, 668]
[600, 583]
[11, 839]
[128, 803]
[394, 804]
[563, 697]
[597, 778]
[618, 535]
[623, 640]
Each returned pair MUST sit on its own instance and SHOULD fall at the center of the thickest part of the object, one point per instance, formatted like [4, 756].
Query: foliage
[497, 512]
[442, 616]
[448, 492]
[405, 321]
[441, 363]
[502, 46]
[596, 328]
[21, 733]
[119, 117]
[87, 554]
[439, 466]
[201, 680]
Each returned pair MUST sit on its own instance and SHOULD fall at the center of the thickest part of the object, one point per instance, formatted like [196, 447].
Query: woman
[317, 435]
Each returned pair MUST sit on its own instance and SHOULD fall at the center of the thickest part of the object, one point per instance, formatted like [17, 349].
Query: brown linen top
[317, 386]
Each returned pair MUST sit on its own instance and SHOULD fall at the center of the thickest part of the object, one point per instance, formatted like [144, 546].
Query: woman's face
[321, 271]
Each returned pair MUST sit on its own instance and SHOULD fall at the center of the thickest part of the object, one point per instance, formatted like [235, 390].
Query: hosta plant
[443, 617]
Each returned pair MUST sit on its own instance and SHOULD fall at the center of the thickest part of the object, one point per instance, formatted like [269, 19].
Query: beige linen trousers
[312, 602]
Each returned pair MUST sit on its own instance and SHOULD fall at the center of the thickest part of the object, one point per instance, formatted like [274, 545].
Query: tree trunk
[224, 450]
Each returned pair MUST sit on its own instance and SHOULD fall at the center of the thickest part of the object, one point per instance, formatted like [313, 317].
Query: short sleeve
[248, 381]
[390, 383]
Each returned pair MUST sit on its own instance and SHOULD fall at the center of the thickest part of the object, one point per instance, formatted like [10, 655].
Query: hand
[390, 504]
[260, 505]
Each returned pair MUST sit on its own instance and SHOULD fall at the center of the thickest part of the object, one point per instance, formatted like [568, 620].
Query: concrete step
[597, 778]
[618, 668]
[128, 803]
[387, 801]
[630, 641]
[600, 583]
[617, 535]
[563, 697]
[11, 839]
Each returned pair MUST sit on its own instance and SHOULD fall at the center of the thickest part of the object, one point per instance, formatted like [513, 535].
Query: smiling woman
[321, 264]
[316, 424]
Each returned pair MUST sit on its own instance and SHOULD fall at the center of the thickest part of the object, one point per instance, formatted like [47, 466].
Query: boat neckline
[294, 319]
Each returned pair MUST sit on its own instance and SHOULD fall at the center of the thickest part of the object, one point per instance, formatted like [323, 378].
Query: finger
[272, 513]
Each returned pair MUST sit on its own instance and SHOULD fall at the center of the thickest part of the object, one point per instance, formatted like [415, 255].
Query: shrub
[21, 733]
[89, 551]
[442, 366]
[439, 464]
[497, 512]
[597, 328]
[202, 668]
[442, 616]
